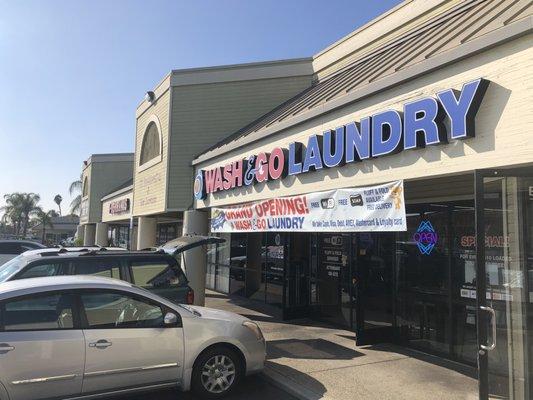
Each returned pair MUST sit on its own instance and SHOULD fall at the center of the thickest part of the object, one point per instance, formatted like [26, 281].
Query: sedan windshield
[9, 268]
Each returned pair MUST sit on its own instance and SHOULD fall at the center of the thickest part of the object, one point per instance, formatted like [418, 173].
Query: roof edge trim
[492, 39]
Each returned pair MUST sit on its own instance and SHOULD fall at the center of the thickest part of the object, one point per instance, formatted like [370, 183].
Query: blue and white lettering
[420, 124]
[386, 133]
[358, 140]
[295, 158]
[313, 154]
[423, 123]
[462, 111]
[333, 147]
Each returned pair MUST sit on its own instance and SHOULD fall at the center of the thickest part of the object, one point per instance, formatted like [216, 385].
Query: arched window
[85, 188]
[151, 144]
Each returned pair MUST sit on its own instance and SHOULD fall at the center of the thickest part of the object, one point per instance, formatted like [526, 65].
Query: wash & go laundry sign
[448, 116]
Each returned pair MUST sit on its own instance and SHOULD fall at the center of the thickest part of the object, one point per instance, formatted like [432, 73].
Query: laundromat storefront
[361, 258]
[457, 280]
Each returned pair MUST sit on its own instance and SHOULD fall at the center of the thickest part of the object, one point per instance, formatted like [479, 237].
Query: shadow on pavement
[260, 318]
[314, 389]
[463, 369]
[252, 387]
[315, 349]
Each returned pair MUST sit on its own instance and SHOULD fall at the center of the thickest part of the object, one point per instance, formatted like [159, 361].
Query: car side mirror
[171, 319]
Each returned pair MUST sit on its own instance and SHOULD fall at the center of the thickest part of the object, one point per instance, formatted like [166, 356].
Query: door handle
[4, 348]
[101, 344]
[492, 346]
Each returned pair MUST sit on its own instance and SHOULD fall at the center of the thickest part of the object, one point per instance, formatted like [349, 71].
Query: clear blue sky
[73, 72]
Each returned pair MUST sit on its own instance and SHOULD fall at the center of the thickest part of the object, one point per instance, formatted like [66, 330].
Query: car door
[127, 342]
[42, 348]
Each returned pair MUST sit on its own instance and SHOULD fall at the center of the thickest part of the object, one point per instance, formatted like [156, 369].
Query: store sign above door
[427, 121]
[367, 209]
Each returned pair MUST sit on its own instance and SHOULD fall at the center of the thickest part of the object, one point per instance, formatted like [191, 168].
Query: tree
[28, 204]
[9, 216]
[75, 204]
[12, 211]
[17, 211]
[58, 199]
[40, 217]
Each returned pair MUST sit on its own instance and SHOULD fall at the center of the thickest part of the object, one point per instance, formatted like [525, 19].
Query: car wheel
[216, 372]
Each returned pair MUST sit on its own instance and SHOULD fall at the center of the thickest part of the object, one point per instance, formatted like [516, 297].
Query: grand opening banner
[367, 209]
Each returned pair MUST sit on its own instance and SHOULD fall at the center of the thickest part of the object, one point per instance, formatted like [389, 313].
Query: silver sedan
[82, 336]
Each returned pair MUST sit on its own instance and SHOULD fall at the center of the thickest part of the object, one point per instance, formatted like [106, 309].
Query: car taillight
[190, 296]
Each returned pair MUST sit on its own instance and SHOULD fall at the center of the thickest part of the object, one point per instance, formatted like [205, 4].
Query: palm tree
[28, 204]
[58, 199]
[75, 204]
[43, 218]
[18, 208]
[12, 211]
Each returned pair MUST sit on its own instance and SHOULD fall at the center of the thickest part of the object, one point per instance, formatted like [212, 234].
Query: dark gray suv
[155, 270]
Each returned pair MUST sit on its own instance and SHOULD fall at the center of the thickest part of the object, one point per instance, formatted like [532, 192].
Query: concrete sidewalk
[313, 361]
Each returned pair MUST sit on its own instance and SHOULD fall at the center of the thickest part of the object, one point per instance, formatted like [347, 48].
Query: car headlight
[254, 328]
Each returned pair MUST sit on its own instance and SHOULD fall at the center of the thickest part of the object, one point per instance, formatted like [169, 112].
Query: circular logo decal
[199, 192]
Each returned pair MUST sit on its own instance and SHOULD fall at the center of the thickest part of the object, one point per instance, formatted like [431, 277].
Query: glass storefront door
[334, 278]
[297, 271]
[372, 280]
[504, 286]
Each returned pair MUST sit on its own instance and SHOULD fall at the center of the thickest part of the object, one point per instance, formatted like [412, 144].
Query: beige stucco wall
[104, 177]
[504, 125]
[108, 217]
[204, 114]
[150, 184]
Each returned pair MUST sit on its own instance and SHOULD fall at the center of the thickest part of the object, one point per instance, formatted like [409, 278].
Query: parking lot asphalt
[253, 387]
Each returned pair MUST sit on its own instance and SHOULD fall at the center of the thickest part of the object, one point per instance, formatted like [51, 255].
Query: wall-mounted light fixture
[149, 96]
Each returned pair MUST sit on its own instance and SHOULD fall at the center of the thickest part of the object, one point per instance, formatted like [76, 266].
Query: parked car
[68, 241]
[11, 248]
[87, 336]
[156, 270]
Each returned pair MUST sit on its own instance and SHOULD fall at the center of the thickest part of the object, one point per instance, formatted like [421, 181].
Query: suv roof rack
[63, 250]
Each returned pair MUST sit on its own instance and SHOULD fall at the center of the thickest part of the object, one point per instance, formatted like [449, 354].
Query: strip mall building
[428, 106]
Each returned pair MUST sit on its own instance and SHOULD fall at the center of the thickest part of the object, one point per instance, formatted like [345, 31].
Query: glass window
[211, 266]
[29, 246]
[237, 272]
[274, 266]
[156, 274]
[35, 271]
[85, 190]
[218, 261]
[10, 248]
[39, 312]
[118, 310]
[119, 236]
[168, 232]
[10, 268]
[97, 267]
[223, 267]
[422, 270]
[151, 145]
[463, 280]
